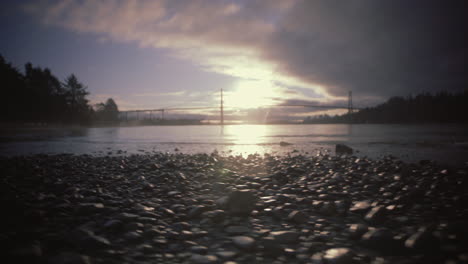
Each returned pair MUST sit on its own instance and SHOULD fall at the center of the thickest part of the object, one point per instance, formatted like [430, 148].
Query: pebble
[203, 259]
[244, 242]
[338, 256]
[210, 208]
[237, 230]
[241, 202]
[298, 217]
[285, 236]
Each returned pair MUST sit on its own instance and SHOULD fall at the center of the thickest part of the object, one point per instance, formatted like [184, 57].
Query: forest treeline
[442, 107]
[37, 96]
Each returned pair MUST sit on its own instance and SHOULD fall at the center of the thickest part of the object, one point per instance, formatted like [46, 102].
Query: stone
[339, 256]
[225, 254]
[241, 202]
[199, 249]
[244, 242]
[201, 259]
[215, 215]
[361, 207]
[382, 240]
[343, 149]
[196, 211]
[298, 217]
[271, 246]
[237, 230]
[357, 230]
[113, 224]
[376, 215]
[285, 236]
[69, 258]
[86, 238]
[423, 241]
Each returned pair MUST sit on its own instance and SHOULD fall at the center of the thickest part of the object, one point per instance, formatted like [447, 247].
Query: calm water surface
[444, 143]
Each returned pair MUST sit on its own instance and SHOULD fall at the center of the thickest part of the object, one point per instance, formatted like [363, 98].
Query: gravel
[208, 208]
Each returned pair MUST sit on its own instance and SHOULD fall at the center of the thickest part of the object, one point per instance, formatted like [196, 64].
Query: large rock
[343, 149]
[241, 202]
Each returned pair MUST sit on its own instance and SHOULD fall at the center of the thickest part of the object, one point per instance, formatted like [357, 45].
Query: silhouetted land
[38, 97]
[424, 108]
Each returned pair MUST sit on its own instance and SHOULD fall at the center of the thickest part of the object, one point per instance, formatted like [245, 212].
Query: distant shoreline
[38, 126]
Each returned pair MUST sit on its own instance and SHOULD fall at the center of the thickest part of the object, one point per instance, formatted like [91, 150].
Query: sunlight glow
[251, 94]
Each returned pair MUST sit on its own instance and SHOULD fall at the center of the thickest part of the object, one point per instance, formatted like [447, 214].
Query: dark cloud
[375, 48]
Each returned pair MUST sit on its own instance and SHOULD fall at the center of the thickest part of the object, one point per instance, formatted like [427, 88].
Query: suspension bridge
[162, 111]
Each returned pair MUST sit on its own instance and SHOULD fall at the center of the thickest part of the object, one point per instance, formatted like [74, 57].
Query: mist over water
[447, 144]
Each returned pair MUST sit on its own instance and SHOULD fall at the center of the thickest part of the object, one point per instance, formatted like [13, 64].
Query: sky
[180, 53]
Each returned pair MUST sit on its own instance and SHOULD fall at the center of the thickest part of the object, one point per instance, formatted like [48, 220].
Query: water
[447, 144]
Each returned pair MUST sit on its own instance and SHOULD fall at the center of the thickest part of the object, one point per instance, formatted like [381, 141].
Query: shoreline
[208, 208]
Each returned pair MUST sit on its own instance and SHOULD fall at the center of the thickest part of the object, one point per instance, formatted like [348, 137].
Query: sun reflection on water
[247, 139]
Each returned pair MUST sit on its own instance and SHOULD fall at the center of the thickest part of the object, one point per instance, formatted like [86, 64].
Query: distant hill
[423, 108]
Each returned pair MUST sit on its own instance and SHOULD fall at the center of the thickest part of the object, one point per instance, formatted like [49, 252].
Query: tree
[75, 97]
[44, 95]
[108, 111]
[13, 90]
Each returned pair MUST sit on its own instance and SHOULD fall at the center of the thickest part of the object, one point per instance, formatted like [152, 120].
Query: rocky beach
[209, 208]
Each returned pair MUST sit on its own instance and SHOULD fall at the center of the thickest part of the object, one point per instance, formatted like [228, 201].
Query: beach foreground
[177, 208]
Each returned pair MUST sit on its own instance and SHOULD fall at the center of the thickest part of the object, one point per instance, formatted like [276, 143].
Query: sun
[251, 94]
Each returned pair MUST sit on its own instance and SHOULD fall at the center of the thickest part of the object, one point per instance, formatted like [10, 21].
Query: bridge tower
[350, 102]
[222, 108]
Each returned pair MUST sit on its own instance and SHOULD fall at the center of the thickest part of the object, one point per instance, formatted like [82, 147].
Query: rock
[69, 258]
[361, 207]
[339, 256]
[86, 238]
[271, 246]
[284, 143]
[285, 237]
[237, 230]
[201, 259]
[381, 239]
[196, 211]
[132, 236]
[343, 149]
[357, 230]
[215, 215]
[199, 249]
[376, 215]
[224, 254]
[298, 217]
[113, 224]
[29, 252]
[328, 209]
[423, 241]
[244, 242]
[241, 202]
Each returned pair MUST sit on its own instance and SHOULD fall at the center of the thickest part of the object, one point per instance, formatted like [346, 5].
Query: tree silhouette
[423, 108]
[75, 98]
[108, 111]
[38, 96]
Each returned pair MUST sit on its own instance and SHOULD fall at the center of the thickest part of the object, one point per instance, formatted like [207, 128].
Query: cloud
[178, 93]
[374, 48]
